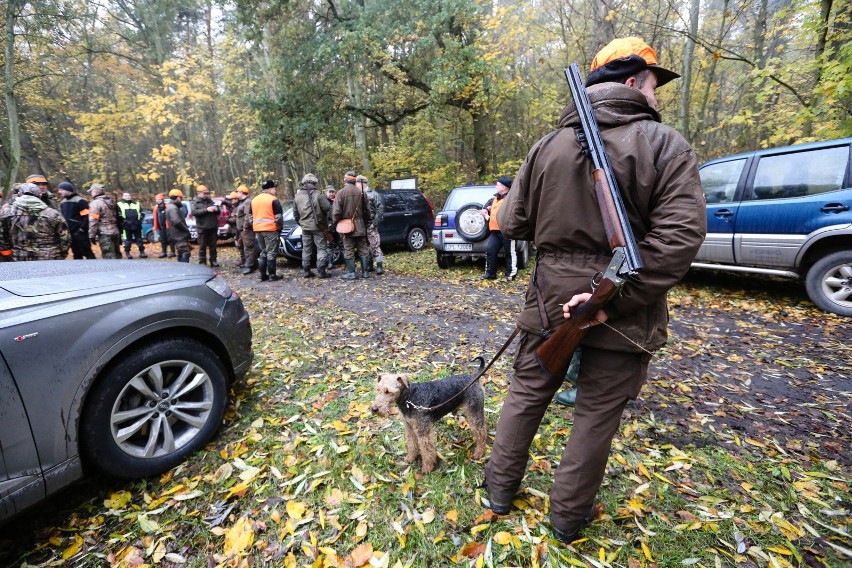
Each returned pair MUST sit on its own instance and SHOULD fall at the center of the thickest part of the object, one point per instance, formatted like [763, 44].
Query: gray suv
[111, 365]
[785, 212]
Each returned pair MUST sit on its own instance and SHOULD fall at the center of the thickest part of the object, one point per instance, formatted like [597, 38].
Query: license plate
[460, 247]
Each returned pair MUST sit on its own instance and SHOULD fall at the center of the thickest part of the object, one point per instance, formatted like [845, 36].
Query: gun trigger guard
[596, 280]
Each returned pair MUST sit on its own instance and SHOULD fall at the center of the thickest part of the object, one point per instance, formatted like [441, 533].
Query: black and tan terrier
[423, 404]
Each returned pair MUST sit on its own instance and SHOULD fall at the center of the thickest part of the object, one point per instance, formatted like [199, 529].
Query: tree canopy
[153, 94]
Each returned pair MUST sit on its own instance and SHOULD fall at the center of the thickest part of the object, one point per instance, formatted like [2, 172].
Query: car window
[288, 214]
[413, 201]
[393, 202]
[801, 173]
[719, 181]
[461, 196]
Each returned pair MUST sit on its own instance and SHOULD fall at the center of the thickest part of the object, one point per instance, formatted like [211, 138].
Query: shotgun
[554, 355]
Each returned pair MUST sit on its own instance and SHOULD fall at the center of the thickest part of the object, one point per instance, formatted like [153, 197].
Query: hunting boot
[365, 266]
[350, 270]
[370, 266]
[307, 272]
[273, 274]
[379, 263]
[213, 262]
[183, 257]
[142, 253]
[262, 264]
[321, 272]
[248, 269]
[127, 254]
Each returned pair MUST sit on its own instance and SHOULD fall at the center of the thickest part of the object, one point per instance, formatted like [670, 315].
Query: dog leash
[473, 380]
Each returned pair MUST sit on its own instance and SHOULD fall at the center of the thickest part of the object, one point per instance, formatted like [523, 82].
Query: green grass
[316, 475]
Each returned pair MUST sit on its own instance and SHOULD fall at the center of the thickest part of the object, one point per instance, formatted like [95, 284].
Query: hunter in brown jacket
[553, 203]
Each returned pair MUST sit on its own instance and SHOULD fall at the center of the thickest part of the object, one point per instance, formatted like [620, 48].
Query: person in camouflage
[242, 213]
[104, 222]
[377, 211]
[30, 230]
[44, 190]
[176, 222]
[310, 210]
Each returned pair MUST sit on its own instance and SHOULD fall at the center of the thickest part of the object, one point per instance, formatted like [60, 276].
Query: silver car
[110, 365]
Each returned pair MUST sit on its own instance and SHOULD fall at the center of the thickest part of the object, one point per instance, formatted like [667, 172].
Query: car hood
[49, 277]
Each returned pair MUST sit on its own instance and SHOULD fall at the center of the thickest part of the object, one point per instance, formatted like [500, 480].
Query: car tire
[416, 239]
[829, 283]
[134, 426]
[445, 260]
[522, 255]
[470, 224]
[152, 237]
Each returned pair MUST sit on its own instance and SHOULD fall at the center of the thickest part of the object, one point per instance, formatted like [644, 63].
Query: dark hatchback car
[111, 366]
[408, 218]
[784, 212]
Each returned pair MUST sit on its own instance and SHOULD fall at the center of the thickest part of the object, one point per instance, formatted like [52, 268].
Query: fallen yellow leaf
[239, 537]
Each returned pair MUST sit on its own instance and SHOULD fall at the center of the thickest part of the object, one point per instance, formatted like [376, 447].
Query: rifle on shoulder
[554, 355]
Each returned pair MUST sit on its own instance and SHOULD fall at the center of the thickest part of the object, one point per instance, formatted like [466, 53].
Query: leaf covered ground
[737, 452]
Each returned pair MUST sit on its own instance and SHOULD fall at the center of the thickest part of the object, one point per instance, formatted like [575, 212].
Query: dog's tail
[481, 362]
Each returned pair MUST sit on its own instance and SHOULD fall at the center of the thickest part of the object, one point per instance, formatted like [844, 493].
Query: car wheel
[523, 254]
[154, 408]
[829, 283]
[416, 239]
[470, 224]
[445, 260]
[152, 237]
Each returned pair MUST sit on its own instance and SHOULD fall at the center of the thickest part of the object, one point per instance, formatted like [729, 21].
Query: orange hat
[233, 195]
[624, 57]
[201, 188]
[175, 193]
[160, 196]
[243, 188]
[36, 178]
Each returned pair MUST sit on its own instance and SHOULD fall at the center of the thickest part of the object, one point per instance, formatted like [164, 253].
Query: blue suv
[460, 229]
[784, 212]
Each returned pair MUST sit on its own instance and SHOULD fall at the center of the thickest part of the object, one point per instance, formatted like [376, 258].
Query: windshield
[288, 213]
[461, 196]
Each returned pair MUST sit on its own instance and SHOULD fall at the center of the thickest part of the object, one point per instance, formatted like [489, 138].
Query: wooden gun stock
[554, 355]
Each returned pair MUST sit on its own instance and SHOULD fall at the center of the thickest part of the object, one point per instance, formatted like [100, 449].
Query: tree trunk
[686, 78]
[360, 122]
[480, 135]
[11, 102]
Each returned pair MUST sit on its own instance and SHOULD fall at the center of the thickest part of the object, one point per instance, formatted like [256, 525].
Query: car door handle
[723, 213]
[834, 208]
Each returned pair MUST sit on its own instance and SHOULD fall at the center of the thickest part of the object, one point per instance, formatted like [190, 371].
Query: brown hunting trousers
[608, 379]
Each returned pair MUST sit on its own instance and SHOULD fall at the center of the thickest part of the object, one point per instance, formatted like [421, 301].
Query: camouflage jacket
[103, 217]
[33, 231]
[242, 213]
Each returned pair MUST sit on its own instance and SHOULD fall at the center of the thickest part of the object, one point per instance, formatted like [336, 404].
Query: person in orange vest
[496, 238]
[267, 220]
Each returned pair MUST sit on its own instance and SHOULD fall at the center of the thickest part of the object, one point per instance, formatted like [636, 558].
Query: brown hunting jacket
[553, 203]
[347, 200]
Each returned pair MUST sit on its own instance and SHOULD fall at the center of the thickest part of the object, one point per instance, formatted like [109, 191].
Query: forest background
[148, 95]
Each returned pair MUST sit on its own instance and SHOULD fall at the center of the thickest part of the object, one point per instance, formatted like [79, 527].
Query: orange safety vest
[263, 218]
[492, 220]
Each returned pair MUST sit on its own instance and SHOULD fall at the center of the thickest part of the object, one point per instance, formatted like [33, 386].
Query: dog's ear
[402, 380]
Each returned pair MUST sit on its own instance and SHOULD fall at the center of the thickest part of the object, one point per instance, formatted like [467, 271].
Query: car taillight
[218, 285]
[441, 220]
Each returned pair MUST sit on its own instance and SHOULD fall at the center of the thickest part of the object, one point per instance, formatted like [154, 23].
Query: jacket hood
[615, 105]
[30, 203]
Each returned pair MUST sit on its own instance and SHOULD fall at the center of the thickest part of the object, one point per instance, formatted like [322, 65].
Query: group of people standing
[34, 227]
